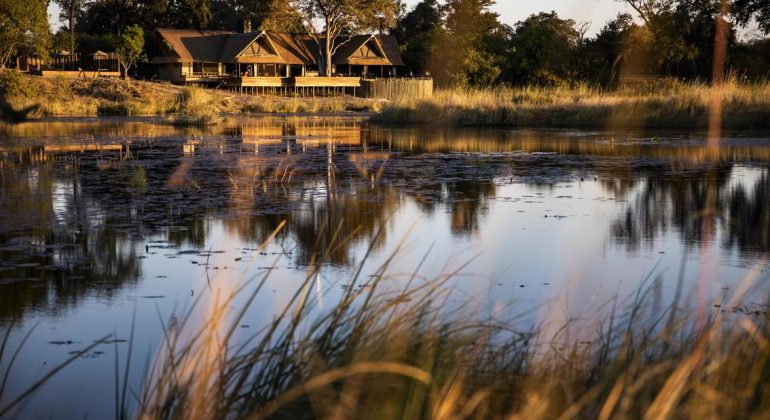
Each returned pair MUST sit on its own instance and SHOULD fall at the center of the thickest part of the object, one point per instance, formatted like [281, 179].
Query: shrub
[15, 84]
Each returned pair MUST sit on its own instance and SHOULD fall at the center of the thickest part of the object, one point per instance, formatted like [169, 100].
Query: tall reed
[662, 104]
[406, 352]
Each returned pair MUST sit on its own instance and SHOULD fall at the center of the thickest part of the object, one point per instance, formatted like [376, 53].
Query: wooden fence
[397, 89]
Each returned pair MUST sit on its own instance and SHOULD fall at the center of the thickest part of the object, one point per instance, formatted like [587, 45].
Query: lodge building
[268, 60]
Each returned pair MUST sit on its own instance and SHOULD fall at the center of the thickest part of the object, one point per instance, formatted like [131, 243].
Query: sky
[598, 12]
[511, 11]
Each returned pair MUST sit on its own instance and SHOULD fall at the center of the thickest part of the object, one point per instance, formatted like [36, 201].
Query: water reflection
[82, 203]
[733, 198]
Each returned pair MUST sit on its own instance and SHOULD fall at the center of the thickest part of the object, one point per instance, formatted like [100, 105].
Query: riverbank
[666, 104]
[663, 105]
[60, 97]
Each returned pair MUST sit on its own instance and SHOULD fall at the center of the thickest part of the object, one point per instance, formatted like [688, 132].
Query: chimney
[246, 26]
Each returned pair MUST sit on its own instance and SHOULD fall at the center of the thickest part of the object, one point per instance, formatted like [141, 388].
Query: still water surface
[107, 221]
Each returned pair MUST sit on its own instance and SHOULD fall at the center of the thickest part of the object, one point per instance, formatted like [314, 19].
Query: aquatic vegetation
[195, 107]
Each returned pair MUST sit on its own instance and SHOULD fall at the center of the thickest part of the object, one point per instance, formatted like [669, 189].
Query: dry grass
[389, 353]
[665, 104]
[195, 106]
[90, 97]
[399, 354]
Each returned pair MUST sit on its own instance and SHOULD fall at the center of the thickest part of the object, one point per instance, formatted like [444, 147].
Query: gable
[261, 47]
[368, 50]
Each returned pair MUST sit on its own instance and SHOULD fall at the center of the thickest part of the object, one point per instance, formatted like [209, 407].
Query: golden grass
[184, 105]
[195, 106]
[399, 353]
[664, 104]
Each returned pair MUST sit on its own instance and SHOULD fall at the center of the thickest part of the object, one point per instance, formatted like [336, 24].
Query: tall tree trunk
[328, 58]
[71, 18]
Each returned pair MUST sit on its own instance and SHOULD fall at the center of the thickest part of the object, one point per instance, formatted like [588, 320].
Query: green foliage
[747, 10]
[16, 84]
[60, 40]
[480, 68]
[23, 27]
[464, 53]
[69, 12]
[416, 32]
[751, 61]
[459, 42]
[130, 48]
[89, 44]
[327, 20]
[543, 49]
[191, 13]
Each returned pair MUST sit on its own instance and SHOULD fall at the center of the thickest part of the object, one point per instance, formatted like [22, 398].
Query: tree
[668, 28]
[23, 27]
[598, 58]
[69, 11]
[130, 48]
[190, 14]
[329, 22]
[746, 10]
[468, 52]
[112, 16]
[273, 15]
[416, 32]
[544, 48]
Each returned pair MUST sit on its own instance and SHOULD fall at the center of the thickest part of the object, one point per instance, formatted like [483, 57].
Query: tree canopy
[23, 28]
[130, 48]
[327, 21]
[457, 42]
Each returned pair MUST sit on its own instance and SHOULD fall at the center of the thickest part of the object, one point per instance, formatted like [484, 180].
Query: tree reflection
[689, 204]
[54, 247]
[76, 211]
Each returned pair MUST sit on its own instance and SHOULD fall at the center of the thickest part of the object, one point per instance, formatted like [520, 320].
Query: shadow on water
[80, 200]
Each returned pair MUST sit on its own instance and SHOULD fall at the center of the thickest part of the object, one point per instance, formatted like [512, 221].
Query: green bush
[16, 84]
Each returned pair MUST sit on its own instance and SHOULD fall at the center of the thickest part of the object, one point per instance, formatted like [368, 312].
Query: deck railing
[397, 88]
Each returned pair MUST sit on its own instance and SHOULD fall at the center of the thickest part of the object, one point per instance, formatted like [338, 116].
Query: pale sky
[512, 11]
[598, 12]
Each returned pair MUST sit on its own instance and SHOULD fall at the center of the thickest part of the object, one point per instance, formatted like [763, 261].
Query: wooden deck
[387, 88]
[201, 79]
[323, 82]
[293, 82]
[255, 82]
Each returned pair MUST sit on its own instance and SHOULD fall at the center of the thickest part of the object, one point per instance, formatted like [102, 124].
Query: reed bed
[663, 104]
[195, 107]
[402, 353]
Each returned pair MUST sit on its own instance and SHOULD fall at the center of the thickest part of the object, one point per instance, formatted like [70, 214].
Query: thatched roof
[381, 50]
[271, 48]
[296, 49]
[189, 45]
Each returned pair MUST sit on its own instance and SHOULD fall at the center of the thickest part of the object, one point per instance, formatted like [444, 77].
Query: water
[105, 222]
